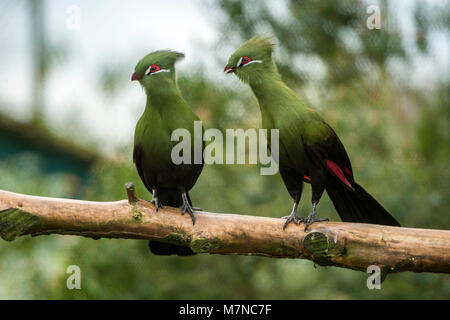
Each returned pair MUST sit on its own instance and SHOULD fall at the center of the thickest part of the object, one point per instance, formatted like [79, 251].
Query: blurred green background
[68, 110]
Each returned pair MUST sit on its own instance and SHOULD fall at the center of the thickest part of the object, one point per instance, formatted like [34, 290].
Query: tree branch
[347, 245]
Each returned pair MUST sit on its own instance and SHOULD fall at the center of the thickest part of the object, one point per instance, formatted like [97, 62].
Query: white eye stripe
[253, 61]
[160, 70]
[250, 62]
[239, 63]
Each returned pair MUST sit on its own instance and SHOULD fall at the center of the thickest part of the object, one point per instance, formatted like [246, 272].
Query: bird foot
[157, 203]
[311, 219]
[186, 207]
[293, 217]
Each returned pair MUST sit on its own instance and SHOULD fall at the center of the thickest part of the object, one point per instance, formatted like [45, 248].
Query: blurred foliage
[397, 137]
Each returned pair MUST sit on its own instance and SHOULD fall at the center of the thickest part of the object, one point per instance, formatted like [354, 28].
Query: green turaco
[309, 149]
[165, 111]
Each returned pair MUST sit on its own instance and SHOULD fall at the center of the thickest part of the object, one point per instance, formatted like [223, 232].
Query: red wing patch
[348, 172]
[334, 169]
[307, 179]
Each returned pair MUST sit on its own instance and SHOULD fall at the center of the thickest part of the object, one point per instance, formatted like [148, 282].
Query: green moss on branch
[179, 238]
[15, 222]
[322, 247]
[204, 245]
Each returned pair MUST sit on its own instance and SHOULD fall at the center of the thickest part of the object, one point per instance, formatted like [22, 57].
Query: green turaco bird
[165, 111]
[309, 149]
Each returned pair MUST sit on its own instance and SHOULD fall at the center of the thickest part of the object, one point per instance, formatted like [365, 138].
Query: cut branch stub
[322, 247]
[131, 193]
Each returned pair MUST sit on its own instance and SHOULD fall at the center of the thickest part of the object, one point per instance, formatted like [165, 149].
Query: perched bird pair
[309, 149]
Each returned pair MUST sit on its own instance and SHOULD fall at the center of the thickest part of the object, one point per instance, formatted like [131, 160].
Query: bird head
[156, 67]
[253, 59]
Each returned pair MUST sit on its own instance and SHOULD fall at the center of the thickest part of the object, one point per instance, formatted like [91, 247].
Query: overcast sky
[115, 35]
[110, 34]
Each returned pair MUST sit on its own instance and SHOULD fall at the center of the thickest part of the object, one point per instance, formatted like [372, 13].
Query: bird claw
[293, 217]
[186, 207]
[311, 219]
[157, 203]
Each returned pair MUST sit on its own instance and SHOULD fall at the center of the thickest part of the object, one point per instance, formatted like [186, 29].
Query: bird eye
[243, 61]
[153, 68]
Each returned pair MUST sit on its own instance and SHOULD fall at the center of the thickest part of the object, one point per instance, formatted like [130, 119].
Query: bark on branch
[348, 245]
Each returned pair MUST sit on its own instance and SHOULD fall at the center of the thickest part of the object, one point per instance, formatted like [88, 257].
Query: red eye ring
[153, 68]
[245, 60]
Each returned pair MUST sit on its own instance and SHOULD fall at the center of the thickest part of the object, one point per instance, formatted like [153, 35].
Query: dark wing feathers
[352, 202]
[137, 159]
[332, 156]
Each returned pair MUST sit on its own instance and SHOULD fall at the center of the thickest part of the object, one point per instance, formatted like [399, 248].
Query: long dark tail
[359, 206]
[170, 198]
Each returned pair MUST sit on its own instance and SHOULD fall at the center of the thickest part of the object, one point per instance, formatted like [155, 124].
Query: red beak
[228, 69]
[134, 76]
